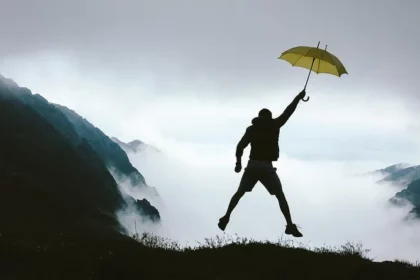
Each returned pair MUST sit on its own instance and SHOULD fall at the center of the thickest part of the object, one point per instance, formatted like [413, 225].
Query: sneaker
[223, 221]
[293, 230]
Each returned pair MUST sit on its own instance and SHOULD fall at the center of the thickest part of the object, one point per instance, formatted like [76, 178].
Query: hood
[261, 121]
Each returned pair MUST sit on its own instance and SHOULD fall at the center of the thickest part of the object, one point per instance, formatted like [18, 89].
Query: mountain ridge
[112, 154]
[406, 177]
[134, 146]
[41, 151]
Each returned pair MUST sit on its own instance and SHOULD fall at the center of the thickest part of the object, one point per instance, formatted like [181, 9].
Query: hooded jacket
[263, 135]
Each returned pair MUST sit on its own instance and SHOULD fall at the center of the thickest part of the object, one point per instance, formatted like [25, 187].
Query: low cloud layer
[327, 199]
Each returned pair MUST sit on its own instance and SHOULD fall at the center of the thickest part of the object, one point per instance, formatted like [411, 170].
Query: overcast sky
[198, 71]
[188, 77]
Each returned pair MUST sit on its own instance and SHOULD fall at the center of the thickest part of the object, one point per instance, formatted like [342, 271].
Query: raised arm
[284, 117]
[243, 143]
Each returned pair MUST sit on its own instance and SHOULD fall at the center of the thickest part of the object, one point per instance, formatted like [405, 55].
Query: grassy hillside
[113, 256]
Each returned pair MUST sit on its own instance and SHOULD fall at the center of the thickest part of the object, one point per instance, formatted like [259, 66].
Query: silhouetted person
[263, 135]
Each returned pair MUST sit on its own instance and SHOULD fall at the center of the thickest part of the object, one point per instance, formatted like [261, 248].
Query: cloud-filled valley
[330, 200]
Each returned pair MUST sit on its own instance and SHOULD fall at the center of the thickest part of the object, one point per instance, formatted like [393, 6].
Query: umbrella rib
[293, 64]
[320, 60]
[335, 64]
[319, 63]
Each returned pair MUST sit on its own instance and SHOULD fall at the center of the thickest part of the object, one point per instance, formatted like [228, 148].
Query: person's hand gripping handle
[302, 95]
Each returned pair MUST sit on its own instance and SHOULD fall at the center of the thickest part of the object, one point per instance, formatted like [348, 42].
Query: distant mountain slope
[392, 169]
[45, 164]
[403, 176]
[39, 104]
[410, 194]
[76, 128]
[134, 146]
[407, 177]
[111, 153]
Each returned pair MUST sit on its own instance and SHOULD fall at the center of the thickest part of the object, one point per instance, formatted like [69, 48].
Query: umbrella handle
[307, 98]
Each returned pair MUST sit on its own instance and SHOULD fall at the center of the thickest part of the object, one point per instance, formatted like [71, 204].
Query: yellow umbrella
[314, 59]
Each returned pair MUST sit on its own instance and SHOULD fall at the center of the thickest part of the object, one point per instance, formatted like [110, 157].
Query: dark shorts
[260, 171]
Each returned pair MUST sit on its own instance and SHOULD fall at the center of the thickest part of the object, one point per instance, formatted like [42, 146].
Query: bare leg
[248, 181]
[272, 183]
[284, 207]
[291, 228]
[233, 202]
[223, 221]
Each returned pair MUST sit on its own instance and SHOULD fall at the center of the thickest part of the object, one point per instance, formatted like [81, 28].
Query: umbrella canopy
[314, 59]
[325, 62]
